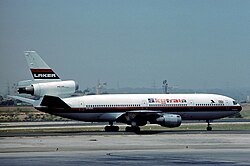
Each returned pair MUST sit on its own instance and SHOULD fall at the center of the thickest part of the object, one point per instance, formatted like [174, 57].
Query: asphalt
[175, 147]
[166, 149]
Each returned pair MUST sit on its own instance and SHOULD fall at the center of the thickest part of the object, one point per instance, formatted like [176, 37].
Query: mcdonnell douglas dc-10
[135, 110]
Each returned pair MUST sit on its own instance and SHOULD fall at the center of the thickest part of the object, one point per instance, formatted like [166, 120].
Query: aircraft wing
[144, 111]
[139, 116]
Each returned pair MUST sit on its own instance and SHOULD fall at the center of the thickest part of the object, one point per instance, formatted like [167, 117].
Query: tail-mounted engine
[58, 88]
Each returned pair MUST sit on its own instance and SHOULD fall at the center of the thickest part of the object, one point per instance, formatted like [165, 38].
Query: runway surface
[166, 149]
[175, 147]
[66, 128]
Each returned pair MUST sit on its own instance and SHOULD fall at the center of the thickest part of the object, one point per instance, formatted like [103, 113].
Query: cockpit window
[234, 102]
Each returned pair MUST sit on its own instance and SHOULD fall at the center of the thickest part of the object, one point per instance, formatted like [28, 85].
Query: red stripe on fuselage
[163, 109]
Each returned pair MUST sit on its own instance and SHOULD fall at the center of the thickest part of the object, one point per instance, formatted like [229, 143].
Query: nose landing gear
[209, 127]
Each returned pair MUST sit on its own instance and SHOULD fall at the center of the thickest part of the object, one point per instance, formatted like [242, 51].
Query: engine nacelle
[58, 88]
[169, 120]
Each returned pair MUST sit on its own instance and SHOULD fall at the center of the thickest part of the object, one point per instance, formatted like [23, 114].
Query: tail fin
[39, 69]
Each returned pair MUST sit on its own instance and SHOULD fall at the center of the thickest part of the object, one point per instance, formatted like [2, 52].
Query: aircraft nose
[240, 108]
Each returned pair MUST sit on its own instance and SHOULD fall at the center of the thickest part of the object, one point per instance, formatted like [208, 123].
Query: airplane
[135, 110]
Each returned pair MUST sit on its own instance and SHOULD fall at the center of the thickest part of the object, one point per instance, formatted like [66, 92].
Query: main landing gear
[111, 128]
[135, 129]
[209, 128]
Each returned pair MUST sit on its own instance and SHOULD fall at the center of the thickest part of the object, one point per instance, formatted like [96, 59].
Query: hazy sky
[131, 43]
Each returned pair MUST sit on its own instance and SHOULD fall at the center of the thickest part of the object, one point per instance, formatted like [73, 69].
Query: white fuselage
[96, 108]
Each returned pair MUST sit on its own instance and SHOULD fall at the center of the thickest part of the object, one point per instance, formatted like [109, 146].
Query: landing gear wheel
[128, 129]
[135, 129]
[209, 128]
[111, 128]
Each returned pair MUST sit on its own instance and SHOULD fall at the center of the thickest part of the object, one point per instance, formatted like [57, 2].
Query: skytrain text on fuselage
[165, 101]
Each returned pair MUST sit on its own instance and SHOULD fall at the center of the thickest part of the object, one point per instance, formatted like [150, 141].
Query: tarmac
[123, 148]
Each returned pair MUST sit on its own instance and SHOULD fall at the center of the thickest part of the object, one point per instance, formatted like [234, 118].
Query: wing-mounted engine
[169, 120]
[58, 88]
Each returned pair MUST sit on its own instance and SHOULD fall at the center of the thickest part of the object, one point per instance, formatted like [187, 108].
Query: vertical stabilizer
[39, 69]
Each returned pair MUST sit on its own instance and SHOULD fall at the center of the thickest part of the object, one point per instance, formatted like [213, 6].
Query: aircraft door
[81, 105]
[191, 105]
[227, 104]
[144, 103]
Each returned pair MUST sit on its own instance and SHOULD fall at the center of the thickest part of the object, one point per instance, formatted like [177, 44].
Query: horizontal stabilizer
[53, 102]
[30, 101]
